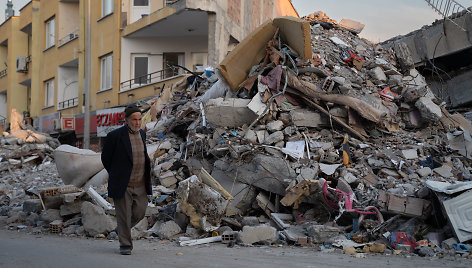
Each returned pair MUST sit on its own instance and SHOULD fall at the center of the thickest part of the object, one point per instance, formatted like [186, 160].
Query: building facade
[133, 45]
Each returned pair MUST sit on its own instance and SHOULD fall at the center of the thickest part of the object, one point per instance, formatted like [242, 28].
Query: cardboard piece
[407, 206]
[295, 32]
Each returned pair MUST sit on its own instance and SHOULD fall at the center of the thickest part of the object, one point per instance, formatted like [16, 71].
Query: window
[140, 70]
[106, 74]
[49, 93]
[50, 32]
[141, 3]
[107, 7]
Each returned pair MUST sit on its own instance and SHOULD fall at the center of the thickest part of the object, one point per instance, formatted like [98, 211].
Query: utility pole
[86, 141]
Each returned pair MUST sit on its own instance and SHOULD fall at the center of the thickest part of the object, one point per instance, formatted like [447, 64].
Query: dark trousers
[130, 209]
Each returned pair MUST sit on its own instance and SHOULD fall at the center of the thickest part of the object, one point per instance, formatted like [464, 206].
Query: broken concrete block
[229, 112]
[410, 154]
[250, 136]
[250, 221]
[444, 171]
[53, 202]
[423, 172]
[257, 234]
[204, 205]
[274, 126]
[395, 80]
[192, 232]
[240, 192]
[32, 206]
[378, 74]
[403, 56]
[308, 173]
[70, 209]
[290, 130]
[350, 178]
[428, 109]
[50, 215]
[448, 243]
[94, 219]
[306, 118]
[140, 229]
[323, 234]
[262, 135]
[168, 179]
[168, 229]
[268, 173]
[329, 169]
[274, 138]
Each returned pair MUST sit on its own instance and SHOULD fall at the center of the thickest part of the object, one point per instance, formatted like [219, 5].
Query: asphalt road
[19, 249]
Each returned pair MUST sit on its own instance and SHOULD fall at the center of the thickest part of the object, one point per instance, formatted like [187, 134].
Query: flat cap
[131, 109]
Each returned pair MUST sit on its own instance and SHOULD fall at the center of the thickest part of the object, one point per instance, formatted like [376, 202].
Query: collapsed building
[310, 136]
[441, 52]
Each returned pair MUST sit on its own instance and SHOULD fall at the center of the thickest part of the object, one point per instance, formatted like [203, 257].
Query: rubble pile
[340, 146]
[26, 167]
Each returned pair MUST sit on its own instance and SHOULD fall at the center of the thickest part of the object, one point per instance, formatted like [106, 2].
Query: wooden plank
[207, 179]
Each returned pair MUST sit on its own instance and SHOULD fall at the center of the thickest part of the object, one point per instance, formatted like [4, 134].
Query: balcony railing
[3, 120]
[170, 2]
[66, 39]
[150, 78]
[68, 103]
[3, 73]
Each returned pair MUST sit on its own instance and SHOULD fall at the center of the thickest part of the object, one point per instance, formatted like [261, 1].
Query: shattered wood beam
[313, 91]
[337, 120]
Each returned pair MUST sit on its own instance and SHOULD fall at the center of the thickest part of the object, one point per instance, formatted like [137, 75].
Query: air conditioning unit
[21, 64]
[57, 124]
[36, 124]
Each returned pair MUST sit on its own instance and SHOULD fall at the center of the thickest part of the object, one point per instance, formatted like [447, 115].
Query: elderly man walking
[125, 158]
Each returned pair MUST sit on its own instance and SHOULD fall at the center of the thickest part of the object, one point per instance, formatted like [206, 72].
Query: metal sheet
[459, 212]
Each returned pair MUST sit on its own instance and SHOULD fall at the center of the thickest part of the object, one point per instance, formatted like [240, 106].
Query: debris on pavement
[310, 136]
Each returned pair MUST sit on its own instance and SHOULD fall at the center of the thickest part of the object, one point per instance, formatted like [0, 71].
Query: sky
[383, 19]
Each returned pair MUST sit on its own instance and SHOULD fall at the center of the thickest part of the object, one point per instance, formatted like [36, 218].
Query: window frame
[134, 4]
[143, 80]
[105, 11]
[50, 37]
[106, 72]
[48, 85]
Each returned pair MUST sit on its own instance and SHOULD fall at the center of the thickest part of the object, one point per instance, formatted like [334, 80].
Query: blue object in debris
[355, 225]
[461, 247]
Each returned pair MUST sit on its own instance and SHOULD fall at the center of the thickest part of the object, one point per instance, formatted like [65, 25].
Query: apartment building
[134, 44]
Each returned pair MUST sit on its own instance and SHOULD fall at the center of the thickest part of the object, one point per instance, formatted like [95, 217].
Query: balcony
[136, 18]
[3, 73]
[68, 103]
[150, 78]
[68, 38]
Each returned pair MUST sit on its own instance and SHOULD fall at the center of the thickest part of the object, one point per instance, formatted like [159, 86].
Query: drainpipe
[86, 143]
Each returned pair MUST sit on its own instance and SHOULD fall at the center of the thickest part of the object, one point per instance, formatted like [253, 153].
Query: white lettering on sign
[109, 119]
